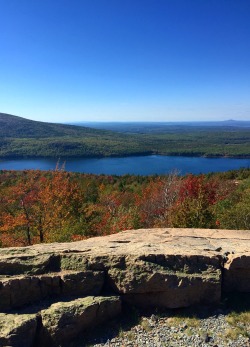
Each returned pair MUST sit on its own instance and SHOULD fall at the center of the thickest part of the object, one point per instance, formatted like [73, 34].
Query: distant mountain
[165, 127]
[18, 127]
[238, 123]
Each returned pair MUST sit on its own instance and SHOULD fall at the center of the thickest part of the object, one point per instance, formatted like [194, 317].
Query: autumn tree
[194, 206]
[17, 207]
[42, 206]
[157, 199]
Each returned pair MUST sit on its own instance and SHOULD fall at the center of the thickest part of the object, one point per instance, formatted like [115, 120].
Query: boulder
[63, 321]
[17, 330]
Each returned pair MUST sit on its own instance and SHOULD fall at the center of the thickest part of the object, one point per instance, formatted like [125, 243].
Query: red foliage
[196, 186]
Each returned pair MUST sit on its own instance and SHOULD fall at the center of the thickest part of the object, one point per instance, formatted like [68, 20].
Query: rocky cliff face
[51, 292]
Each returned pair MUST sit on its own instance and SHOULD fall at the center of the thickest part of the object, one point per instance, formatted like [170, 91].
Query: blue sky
[125, 60]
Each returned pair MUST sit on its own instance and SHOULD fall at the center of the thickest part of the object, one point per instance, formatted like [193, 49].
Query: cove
[139, 165]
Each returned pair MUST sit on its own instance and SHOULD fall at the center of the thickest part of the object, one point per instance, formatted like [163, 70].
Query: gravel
[167, 330]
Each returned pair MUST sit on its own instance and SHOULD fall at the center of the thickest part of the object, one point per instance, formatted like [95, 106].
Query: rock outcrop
[84, 282]
[17, 330]
[63, 321]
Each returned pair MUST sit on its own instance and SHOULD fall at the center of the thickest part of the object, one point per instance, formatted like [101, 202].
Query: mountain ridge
[15, 126]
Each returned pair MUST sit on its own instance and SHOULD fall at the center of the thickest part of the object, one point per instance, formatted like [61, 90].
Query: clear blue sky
[125, 60]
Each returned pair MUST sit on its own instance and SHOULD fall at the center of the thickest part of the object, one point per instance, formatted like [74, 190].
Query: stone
[19, 291]
[50, 285]
[236, 273]
[29, 261]
[82, 283]
[196, 291]
[17, 330]
[168, 284]
[169, 267]
[63, 321]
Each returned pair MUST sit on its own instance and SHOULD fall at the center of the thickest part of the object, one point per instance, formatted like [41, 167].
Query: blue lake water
[141, 165]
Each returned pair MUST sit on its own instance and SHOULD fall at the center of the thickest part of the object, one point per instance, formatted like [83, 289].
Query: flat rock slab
[157, 267]
[137, 242]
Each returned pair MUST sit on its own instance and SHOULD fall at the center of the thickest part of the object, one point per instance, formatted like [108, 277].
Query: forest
[57, 206]
[23, 138]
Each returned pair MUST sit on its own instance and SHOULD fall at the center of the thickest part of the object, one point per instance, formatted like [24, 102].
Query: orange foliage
[52, 206]
[39, 205]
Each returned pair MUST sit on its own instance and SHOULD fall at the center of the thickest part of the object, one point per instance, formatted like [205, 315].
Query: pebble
[158, 332]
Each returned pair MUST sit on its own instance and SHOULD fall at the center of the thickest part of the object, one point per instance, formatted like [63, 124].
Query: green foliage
[234, 212]
[23, 138]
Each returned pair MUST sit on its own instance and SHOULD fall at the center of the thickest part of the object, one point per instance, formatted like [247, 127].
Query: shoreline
[209, 156]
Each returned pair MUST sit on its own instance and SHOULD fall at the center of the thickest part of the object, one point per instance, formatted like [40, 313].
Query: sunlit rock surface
[148, 267]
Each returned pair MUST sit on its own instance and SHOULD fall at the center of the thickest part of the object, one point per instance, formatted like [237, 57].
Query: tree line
[56, 206]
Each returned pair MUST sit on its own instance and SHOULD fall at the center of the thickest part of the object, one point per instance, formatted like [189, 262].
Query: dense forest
[40, 206]
[23, 138]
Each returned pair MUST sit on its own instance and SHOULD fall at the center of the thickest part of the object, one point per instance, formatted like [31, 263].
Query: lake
[140, 165]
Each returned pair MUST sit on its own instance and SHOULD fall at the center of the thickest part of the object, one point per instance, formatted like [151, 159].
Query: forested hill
[23, 138]
[18, 127]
